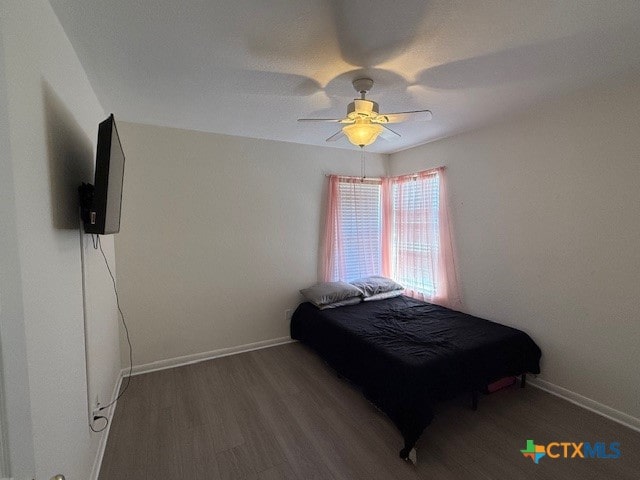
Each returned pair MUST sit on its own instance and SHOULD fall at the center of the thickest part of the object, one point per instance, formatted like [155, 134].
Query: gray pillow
[326, 293]
[377, 284]
[343, 303]
[384, 295]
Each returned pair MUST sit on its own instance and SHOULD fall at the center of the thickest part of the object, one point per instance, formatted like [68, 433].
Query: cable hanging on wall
[98, 245]
[94, 415]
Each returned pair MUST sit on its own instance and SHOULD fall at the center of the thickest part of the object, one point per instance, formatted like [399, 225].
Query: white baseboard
[584, 402]
[97, 463]
[201, 357]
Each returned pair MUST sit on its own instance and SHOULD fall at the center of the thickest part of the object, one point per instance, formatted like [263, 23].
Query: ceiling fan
[364, 123]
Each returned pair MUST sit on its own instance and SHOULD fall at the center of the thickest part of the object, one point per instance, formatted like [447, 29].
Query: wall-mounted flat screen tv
[101, 203]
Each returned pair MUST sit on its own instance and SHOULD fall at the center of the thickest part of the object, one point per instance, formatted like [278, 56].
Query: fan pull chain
[362, 172]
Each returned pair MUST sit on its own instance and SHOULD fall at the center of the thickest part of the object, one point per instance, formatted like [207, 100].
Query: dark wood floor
[281, 413]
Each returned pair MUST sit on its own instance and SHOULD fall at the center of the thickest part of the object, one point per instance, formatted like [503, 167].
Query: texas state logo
[534, 452]
[571, 450]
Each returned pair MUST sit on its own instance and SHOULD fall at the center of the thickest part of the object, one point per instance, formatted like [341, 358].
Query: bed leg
[409, 452]
[409, 455]
[523, 380]
[474, 399]
[413, 456]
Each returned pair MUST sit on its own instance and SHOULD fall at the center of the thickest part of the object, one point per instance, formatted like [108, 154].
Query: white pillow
[376, 284]
[327, 293]
[384, 295]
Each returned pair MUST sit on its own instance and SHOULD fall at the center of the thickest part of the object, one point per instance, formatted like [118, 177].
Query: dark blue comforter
[405, 354]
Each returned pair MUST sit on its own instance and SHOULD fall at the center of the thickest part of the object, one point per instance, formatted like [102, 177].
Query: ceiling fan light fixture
[362, 132]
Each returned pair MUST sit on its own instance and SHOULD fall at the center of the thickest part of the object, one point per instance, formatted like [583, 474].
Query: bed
[405, 354]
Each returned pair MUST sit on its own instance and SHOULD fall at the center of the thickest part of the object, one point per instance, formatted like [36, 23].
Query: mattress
[405, 354]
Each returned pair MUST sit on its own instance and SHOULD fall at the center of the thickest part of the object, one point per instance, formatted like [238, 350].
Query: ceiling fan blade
[389, 134]
[413, 116]
[330, 120]
[336, 136]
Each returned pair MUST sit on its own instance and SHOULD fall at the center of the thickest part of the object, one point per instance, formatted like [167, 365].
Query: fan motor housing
[362, 109]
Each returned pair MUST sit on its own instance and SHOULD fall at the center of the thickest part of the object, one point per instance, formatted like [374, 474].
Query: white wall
[218, 235]
[546, 212]
[17, 425]
[52, 116]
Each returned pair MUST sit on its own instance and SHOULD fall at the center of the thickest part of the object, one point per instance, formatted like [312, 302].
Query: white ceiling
[252, 67]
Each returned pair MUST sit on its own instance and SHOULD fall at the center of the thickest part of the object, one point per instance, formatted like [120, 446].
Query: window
[415, 232]
[358, 233]
[398, 227]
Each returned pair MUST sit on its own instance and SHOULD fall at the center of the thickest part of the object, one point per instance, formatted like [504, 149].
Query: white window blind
[415, 232]
[360, 225]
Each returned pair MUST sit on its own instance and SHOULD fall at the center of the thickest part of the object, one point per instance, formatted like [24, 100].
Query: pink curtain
[387, 228]
[421, 239]
[448, 292]
[331, 261]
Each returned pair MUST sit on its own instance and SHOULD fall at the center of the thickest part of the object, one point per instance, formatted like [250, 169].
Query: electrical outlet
[95, 413]
[287, 314]
[96, 408]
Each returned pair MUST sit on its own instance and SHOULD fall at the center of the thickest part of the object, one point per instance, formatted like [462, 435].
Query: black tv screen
[102, 204]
